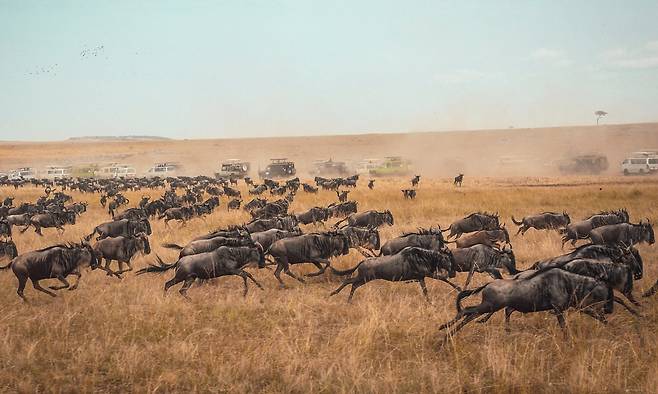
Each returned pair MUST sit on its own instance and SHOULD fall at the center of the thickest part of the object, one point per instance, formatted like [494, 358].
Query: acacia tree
[599, 114]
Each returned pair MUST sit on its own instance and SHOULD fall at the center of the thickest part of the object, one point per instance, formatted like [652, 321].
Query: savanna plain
[124, 335]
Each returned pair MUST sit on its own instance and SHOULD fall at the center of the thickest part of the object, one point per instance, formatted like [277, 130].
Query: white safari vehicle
[642, 163]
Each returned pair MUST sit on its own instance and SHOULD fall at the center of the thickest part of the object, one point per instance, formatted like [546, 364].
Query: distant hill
[119, 138]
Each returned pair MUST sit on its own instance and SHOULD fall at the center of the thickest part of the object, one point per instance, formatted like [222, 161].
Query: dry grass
[115, 335]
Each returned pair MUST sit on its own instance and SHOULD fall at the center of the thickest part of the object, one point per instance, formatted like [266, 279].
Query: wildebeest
[58, 261]
[8, 250]
[181, 214]
[371, 184]
[271, 209]
[424, 238]
[370, 218]
[473, 222]
[282, 223]
[623, 233]
[580, 230]
[483, 258]
[258, 190]
[342, 209]
[267, 238]
[230, 192]
[553, 290]
[208, 245]
[5, 228]
[313, 215]
[50, 219]
[415, 180]
[133, 214]
[458, 180]
[484, 237]
[342, 196]
[221, 262]
[234, 204]
[411, 264]
[543, 221]
[255, 203]
[362, 237]
[315, 248]
[123, 227]
[8, 202]
[121, 249]
[409, 193]
[309, 188]
[230, 232]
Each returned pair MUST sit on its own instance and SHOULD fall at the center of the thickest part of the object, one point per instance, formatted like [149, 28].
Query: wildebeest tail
[347, 271]
[466, 293]
[446, 230]
[88, 237]
[515, 222]
[161, 267]
[172, 246]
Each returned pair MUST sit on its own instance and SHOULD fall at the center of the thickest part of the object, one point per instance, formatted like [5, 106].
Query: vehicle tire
[641, 172]
[626, 172]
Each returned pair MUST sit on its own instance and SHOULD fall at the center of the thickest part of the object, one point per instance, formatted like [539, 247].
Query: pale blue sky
[207, 69]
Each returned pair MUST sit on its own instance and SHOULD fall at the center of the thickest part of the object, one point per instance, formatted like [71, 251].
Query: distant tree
[599, 114]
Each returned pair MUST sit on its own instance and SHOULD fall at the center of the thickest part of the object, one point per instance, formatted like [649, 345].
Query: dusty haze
[531, 152]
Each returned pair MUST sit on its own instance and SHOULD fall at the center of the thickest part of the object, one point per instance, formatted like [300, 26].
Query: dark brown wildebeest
[554, 290]
[543, 221]
[409, 194]
[342, 196]
[314, 215]
[8, 202]
[342, 209]
[309, 188]
[580, 230]
[221, 262]
[145, 200]
[315, 248]
[230, 232]
[234, 204]
[361, 237]
[123, 227]
[208, 245]
[8, 250]
[370, 218]
[287, 223]
[58, 261]
[424, 238]
[415, 180]
[132, 214]
[181, 214]
[623, 234]
[230, 192]
[121, 249]
[473, 222]
[483, 258]
[254, 204]
[484, 237]
[50, 219]
[258, 190]
[411, 264]
[5, 227]
[271, 209]
[458, 180]
[267, 238]
[371, 184]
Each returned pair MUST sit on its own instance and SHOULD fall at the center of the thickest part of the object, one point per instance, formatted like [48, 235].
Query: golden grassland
[115, 335]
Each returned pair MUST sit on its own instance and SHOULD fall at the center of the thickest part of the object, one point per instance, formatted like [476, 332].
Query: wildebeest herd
[586, 278]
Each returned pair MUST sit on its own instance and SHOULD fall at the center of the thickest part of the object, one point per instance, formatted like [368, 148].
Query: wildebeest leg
[454, 286]
[321, 269]
[186, 286]
[596, 316]
[628, 308]
[64, 285]
[486, 318]
[652, 290]
[121, 270]
[629, 297]
[423, 287]
[494, 273]
[22, 280]
[37, 286]
[277, 273]
[508, 314]
[37, 229]
[172, 282]
[470, 275]
[355, 286]
[77, 281]
[248, 275]
[340, 288]
[469, 318]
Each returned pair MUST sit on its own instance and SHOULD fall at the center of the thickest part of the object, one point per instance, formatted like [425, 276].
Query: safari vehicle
[584, 164]
[329, 168]
[392, 166]
[116, 170]
[23, 173]
[233, 167]
[58, 172]
[644, 162]
[278, 168]
[163, 169]
[364, 166]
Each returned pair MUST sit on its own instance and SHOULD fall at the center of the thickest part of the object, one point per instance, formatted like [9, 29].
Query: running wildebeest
[5, 228]
[371, 184]
[553, 290]
[182, 215]
[267, 238]
[8, 250]
[314, 215]
[473, 222]
[342, 196]
[121, 249]
[309, 188]
[221, 262]
[58, 261]
[8, 202]
[234, 204]
[361, 237]
[424, 238]
[458, 180]
[411, 264]
[484, 237]
[409, 194]
[543, 221]
[287, 223]
[123, 227]
[370, 218]
[415, 180]
[315, 248]
[623, 234]
[230, 232]
[580, 230]
[132, 214]
[483, 258]
[342, 209]
[255, 203]
[50, 219]
[208, 245]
